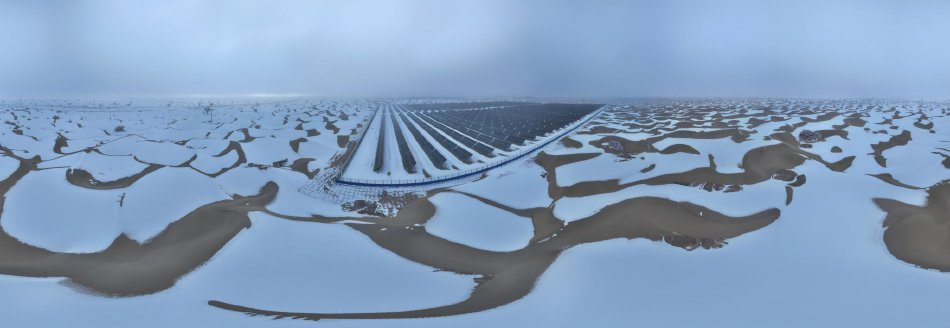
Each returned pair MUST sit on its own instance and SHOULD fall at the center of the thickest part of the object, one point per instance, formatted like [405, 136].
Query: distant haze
[804, 48]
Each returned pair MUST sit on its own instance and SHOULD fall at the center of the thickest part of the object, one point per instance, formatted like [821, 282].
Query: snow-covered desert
[236, 211]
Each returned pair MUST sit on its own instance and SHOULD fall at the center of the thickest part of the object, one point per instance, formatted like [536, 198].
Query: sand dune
[659, 179]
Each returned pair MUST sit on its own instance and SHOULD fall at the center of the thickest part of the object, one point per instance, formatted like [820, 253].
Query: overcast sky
[803, 48]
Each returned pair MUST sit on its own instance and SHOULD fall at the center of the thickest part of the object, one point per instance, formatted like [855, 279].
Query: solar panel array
[427, 147]
[460, 130]
[451, 146]
[479, 147]
[466, 105]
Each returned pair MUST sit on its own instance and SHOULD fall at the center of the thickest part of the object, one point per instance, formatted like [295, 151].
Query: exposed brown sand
[330, 126]
[82, 178]
[188, 162]
[919, 235]
[247, 135]
[820, 118]
[855, 121]
[679, 148]
[759, 164]
[598, 129]
[232, 146]
[551, 162]
[799, 181]
[631, 147]
[301, 165]
[61, 142]
[571, 143]
[825, 134]
[648, 168]
[505, 277]
[879, 148]
[542, 218]
[839, 166]
[886, 177]
[341, 159]
[295, 144]
[126, 267]
[923, 126]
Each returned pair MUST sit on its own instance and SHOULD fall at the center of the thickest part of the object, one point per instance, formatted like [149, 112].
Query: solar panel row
[380, 144]
[408, 161]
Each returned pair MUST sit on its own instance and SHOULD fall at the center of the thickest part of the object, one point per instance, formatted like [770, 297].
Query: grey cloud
[588, 48]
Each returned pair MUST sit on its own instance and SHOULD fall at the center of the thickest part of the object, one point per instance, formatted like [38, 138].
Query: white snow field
[716, 213]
